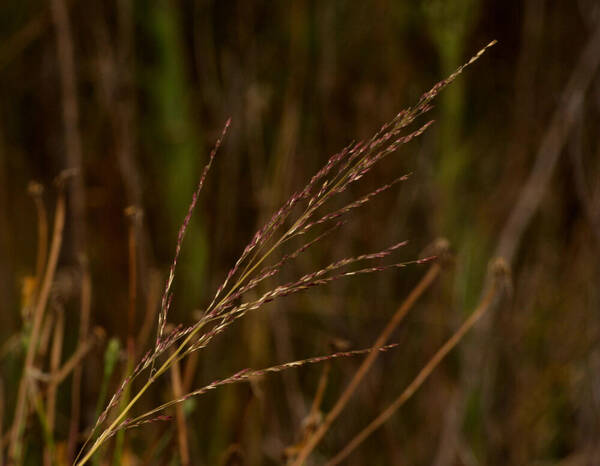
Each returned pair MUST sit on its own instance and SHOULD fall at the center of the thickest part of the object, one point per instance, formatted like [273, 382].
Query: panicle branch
[241, 376]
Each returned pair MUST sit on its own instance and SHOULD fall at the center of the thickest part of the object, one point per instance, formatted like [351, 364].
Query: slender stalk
[21, 404]
[45, 336]
[85, 308]
[55, 356]
[73, 147]
[133, 214]
[316, 404]
[182, 435]
[190, 371]
[36, 190]
[408, 303]
[151, 307]
[422, 376]
[58, 375]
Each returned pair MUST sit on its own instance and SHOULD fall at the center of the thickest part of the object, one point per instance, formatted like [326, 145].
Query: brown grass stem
[399, 315]
[36, 190]
[73, 148]
[151, 308]
[45, 336]
[59, 375]
[182, 434]
[422, 376]
[85, 309]
[38, 317]
[133, 214]
[190, 371]
[312, 420]
[320, 393]
[55, 356]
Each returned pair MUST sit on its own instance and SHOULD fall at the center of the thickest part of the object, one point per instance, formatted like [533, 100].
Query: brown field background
[134, 94]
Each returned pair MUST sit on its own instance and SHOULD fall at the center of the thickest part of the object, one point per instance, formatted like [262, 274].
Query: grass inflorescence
[301, 217]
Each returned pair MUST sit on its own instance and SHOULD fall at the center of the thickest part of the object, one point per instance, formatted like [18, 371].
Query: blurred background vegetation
[134, 93]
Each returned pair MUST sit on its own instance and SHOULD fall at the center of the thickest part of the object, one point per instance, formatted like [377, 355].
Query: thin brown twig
[152, 307]
[417, 291]
[55, 356]
[70, 107]
[133, 214]
[21, 404]
[316, 404]
[85, 307]
[119, 98]
[72, 363]
[182, 435]
[36, 190]
[493, 292]
[190, 371]
[45, 336]
[313, 419]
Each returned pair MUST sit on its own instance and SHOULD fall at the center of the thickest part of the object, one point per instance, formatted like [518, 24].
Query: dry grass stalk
[499, 283]
[316, 404]
[58, 376]
[73, 145]
[36, 190]
[190, 371]
[152, 307]
[314, 417]
[133, 214]
[55, 356]
[38, 317]
[45, 336]
[182, 435]
[383, 338]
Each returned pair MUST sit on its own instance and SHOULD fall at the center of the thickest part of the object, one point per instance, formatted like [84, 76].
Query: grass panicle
[303, 213]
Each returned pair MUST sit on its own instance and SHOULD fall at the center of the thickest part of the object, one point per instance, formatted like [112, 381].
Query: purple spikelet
[166, 298]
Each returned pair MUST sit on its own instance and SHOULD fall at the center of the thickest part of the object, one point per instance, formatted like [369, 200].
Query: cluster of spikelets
[303, 217]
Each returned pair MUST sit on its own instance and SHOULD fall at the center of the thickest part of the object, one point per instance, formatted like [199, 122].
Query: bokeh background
[133, 95]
